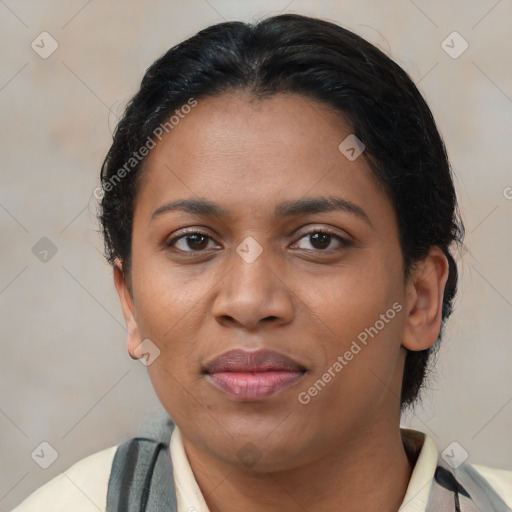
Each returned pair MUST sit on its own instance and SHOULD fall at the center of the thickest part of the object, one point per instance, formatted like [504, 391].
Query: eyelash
[325, 231]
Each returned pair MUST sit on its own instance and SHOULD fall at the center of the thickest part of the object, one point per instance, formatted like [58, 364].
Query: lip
[253, 376]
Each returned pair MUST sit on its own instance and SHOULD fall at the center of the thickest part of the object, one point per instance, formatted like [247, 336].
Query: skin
[308, 300]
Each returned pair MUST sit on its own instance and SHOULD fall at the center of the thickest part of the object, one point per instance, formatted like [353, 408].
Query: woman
[278, 209]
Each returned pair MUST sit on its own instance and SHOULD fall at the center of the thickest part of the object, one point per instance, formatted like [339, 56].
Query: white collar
[190, 498]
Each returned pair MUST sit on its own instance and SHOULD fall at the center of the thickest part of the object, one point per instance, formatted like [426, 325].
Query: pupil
[322, 238]
[195, 239]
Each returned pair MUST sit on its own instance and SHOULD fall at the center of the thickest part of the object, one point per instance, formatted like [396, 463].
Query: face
[322, 286]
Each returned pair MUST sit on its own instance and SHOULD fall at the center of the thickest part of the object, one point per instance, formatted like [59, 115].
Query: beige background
[66, 377]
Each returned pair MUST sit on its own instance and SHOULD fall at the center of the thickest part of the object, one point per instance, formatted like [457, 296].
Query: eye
[191, 241]
[320, 239]
[197, 241]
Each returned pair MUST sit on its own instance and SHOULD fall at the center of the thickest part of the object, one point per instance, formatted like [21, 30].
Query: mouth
[253, 376]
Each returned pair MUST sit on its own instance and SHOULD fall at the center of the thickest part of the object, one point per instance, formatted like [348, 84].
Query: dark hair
[318, 59]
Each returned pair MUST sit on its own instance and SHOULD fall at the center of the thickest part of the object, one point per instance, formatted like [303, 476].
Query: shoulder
[499, 479]
[81, 488]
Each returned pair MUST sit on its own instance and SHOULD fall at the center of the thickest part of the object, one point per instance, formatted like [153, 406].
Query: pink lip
[253, 376]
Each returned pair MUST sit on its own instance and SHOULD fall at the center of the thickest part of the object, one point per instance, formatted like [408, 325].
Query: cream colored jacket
[83, 487]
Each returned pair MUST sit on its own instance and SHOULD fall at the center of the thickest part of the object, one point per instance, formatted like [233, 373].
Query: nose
[253, 292]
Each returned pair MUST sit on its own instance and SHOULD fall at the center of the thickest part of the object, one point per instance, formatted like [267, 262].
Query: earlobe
[127, 305]
[424, 303]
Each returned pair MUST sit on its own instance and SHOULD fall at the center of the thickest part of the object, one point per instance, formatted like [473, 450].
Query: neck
[371, 472]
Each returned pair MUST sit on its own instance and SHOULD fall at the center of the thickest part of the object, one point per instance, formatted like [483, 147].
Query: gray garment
[462, 489]
[141, 478]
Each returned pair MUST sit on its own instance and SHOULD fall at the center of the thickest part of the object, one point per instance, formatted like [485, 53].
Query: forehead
[250, 154]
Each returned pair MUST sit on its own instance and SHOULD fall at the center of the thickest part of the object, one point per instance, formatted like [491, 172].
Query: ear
[424, 300]
[125, 297]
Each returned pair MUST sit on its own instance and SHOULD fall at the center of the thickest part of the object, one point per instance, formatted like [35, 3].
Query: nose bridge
[253, 268]
[251, 290]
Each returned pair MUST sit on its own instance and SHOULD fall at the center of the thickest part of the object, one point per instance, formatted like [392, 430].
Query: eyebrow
[206, 208]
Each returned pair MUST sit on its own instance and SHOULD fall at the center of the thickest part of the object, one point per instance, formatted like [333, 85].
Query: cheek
[166, 295]
[169, 314]
[354, 296]
[362, 308]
